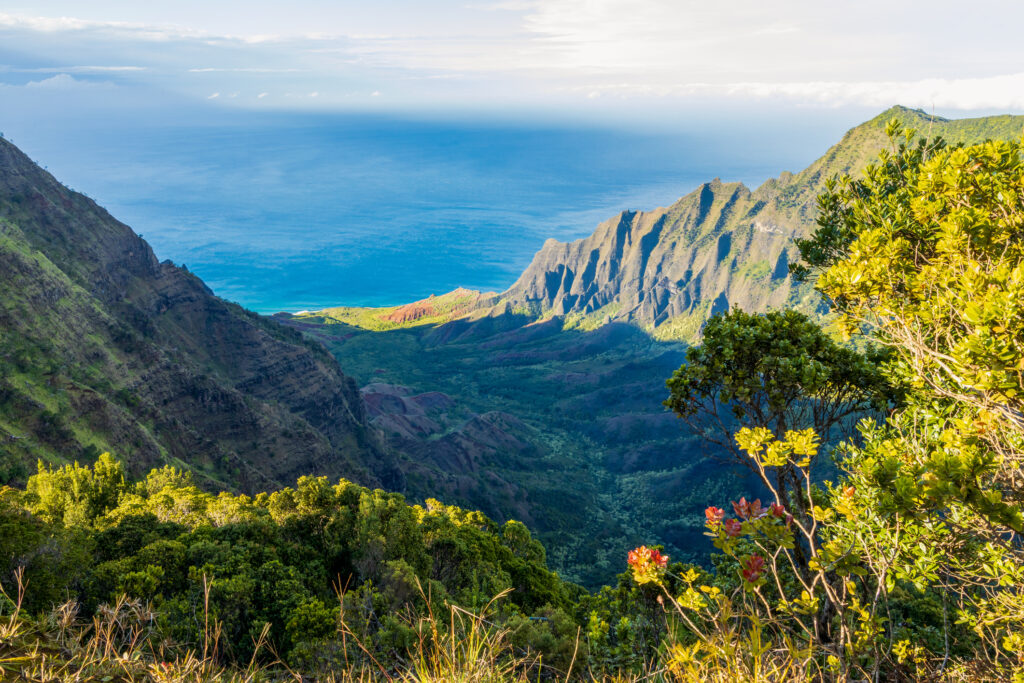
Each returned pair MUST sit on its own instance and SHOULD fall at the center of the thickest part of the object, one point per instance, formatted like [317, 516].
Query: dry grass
[120, 644]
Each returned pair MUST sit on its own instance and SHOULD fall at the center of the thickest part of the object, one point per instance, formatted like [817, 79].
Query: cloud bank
[587, 52]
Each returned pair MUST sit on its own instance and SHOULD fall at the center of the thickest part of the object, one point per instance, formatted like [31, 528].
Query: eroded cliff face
[105, 348]
[654, 267]
[720, 246]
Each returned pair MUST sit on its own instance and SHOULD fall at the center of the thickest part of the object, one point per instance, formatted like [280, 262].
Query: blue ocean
[295, 212]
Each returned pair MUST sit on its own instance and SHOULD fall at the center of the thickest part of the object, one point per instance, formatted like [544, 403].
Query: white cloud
[248, 70]
[92, 69]
[617, 36]
[506, 6]
[66, 82]
[72, 24]
[123, 29]
[995, 92]
[213, 96]
[532, 51]
[45, 24]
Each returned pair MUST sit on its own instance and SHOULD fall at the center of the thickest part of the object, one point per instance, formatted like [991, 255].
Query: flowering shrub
[789, 604]
[648, 564]
[912, 566]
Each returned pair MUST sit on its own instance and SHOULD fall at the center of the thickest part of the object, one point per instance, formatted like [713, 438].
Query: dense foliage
[778, 371]
[300, 561]
[913, 561]
[908, 564]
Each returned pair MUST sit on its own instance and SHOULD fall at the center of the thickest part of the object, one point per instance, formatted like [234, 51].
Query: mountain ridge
[106, 348]
[721, 245]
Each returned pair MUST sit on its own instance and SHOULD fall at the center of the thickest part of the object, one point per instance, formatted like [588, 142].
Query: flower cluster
[769, 525]
[753, 566]
[714, 516]
[648, 564]
[746, 511]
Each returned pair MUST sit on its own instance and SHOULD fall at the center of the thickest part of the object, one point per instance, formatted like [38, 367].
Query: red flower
[747, 510]
[732, 527]
[780, 512]
[647, 563]
[714, 516]
[752, 568]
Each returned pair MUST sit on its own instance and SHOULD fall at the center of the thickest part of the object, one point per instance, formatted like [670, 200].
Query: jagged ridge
[719, 246]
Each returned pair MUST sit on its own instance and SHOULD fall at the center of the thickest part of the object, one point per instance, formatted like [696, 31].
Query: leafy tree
[75, 495]
[778, 371]
[882, 187]
[926, 255]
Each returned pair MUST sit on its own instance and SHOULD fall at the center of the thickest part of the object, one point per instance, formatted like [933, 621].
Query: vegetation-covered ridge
[434, 310]
[669, 269]
[280, 570]
[105, 348]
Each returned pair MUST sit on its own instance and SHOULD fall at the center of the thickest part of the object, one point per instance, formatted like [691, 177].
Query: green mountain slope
[720, 246]
[562, 429]
[583, 450]
[105, 348]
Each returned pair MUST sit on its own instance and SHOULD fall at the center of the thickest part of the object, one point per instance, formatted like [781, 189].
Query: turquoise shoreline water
[290, 213]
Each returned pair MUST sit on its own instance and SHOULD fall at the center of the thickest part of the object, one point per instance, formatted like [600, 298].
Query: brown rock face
[139, 357]
[449, 306]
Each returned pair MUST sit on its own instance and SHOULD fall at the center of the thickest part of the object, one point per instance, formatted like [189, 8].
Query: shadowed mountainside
[587, 454]
[562, 429]
[105, 348]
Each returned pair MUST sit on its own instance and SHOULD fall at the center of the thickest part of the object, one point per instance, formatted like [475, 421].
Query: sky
[610, 58]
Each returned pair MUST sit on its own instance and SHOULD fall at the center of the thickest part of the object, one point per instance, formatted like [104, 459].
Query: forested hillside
[550, 393]
[105, 348]
[895, 555]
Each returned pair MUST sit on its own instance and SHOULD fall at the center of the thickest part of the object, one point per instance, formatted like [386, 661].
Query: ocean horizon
[303, 212]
